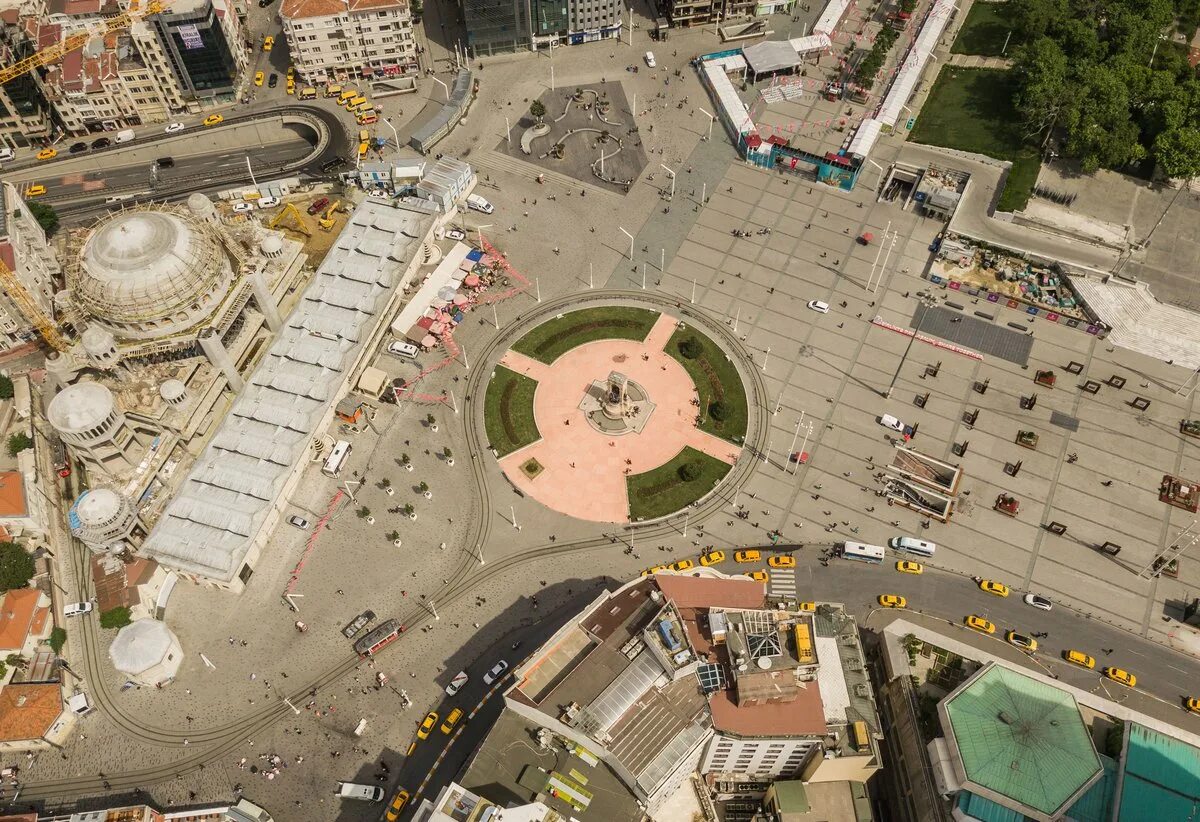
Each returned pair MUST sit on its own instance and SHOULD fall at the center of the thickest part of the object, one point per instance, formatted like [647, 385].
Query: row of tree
[1110, 80]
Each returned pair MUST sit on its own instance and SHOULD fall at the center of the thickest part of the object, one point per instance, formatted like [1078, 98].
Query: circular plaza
[615, 413]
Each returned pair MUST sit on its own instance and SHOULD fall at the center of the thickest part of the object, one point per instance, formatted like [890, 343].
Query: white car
[299, 522]
[819, 306]
[268, 202]
[650, 61]
[497, 671]
[455, 234]
[888, 421]
[77, 609]
[1038, 602]
[243, 207]
[174, 127]
[456, 684]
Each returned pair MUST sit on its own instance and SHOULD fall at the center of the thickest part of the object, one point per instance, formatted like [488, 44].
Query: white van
[268, 202]
[7, 154]
[912, 545]
[124, 136]
[477, 203]
[402, 349]
[354, 790]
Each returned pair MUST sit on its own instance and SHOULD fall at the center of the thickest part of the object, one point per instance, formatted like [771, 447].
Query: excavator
[297, 221]
[326, 221]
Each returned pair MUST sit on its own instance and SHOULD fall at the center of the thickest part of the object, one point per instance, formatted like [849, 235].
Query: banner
[190, 36]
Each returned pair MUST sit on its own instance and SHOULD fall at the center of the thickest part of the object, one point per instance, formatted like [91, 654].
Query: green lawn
[663, 491]
[716, 379]
[508, 411]
[971, 109]
[553, 338]
[985, 30]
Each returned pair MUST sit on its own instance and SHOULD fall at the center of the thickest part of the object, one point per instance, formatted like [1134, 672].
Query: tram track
[212, 743]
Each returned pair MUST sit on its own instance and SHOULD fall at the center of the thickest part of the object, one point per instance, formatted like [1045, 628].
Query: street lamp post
[479, 230]
[710, 121]
[630, 236]
[907, 348]
[445, 87]
[672, 173]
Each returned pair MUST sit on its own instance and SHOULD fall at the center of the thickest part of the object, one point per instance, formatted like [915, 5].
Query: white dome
[97, 507]
[97, 340]
[271, 245]
[172, 390]
[199, 204]
[80, 407]
[150, 273]
[142, 645]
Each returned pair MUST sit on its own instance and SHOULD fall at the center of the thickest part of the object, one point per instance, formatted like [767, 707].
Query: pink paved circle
[584, 469]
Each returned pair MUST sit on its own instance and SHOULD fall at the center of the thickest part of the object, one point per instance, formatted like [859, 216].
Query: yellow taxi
[214, 119]
[683, 565]
[907, 566]
[758, 576]
[291, 72]
[268, 42]
[893, 601]
[980, 624]
[363, 147]
[452, 720]
[1079, 658]
[1192, 704]
[808, 607]
[712, 558]
[993, 587]
[399, 800]
[655, 570]
[291, 86]
[1023, 641]
[1121, 675]
[35, 190]
[748, 556]
[363, 135]
[427, 726]
[47, 154]
[782, 561]
[259, 77]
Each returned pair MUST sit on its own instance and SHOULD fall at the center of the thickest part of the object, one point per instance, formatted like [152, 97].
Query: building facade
[202, 42]
[25, 250]
[330, 40]
[498, 26]
[24, 110]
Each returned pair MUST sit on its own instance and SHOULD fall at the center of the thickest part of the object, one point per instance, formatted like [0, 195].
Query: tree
[46, 216]
[363, 512]
[690, 471]
[446, 453]
[718, 411]
[58, 638]
[1178, 152]
[16, 661]
[385, 483]
[6, 388]
[404, 460]
[16, 566]
[18, 442]
[116, 618]
[393, 535]
[537, 110]
[1044, 91]
[690, 348]
[423, 487]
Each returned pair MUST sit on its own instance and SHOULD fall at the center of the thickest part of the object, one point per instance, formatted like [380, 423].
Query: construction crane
[75, 41]
[17, 293]
[297, 224]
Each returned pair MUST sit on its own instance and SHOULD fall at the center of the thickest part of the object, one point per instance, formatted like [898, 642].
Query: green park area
[986, 31]
[723, 410]
[508, 411]
[553, 338]
[674, 485]
[971, 109]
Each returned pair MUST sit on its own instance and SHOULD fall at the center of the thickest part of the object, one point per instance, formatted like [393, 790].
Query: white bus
[912, 545]
[337, 458]
[862, 552]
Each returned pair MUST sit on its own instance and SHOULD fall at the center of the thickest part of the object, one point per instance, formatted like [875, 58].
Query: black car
[273, 81]
[358, 623]
[165, 162]
[330, 165]
[78, 147]
[103, 142]
[262, 4]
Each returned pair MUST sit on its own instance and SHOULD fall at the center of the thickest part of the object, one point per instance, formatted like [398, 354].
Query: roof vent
[1006, 718]
[21, 700]
[1016, 765]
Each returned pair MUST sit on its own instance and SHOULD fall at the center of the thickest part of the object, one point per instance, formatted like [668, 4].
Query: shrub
[718, 411]
[16, 566]
[6, 388]
[363, 512]
[58, 638]
[115, 618]
[689, 471]
[690, 347]
[46, 216]
[18, 442]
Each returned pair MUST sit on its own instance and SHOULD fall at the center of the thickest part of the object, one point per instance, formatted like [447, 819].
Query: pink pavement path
[584, 470]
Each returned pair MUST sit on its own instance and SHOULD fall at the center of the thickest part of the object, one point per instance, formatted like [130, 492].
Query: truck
[124, 136]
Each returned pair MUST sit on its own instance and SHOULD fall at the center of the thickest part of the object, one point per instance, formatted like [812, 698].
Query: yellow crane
[75, 41]
[17, 293]
[297, 223]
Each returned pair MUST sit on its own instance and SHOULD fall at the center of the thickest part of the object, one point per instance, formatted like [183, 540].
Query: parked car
[650, 61]
[402, 349]
[495, 673]
[747, 556]
[78, 147]
[1079, 658]
[358, 623]
[268, 43]
[888, 421]
[400, 798]
[1122, 676]
[992, 587]
[893, 601]
[1023, 641]
[77, 609]
[455, 234]
[427, 725]
[1038, 602]
[174, 127]
[355, 790]
[7, 153]
[456, 684]
[47, 154]
[165, 162]
[452, 720]
[299, 522]
[759, 576]
[712, 558]
[103, 142]
[907, 566]
[214, 119]
[333, 163]
[980, 624]
[318, 205]
[268, 202]
[35, 190]
[259, 77]
[819, 306]
[273, 81]
[243, 207]
[683, 565]
[782, 561]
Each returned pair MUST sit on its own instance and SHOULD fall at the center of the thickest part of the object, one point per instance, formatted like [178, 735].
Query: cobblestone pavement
[831, 368]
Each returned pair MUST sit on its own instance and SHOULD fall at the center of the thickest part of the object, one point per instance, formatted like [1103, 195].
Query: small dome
[172, 390]
[199, 205]
[97, 507]
[271, 245]
[97, 340]
[80, 407]
[142, 645]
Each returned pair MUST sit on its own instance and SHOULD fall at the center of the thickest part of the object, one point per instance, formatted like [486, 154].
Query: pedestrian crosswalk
[783, 584]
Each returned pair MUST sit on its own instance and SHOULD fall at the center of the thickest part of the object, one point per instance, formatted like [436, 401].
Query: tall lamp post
[925, 306]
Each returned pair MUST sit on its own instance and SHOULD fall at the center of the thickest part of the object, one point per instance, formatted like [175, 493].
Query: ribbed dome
[271, 245]
[172, 390]
[80, 407]
[98, 507]
[145, 273]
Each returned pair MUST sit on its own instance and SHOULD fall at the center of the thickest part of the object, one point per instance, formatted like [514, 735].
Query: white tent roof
[141, 645]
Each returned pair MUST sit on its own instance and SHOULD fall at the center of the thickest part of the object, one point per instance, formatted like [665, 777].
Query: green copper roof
[1022, 740]
[1162, 777]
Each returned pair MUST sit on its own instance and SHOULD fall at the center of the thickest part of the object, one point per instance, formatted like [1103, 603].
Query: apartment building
[200, 44]
[336, 40]
[497, 26]
[26, 252]
[24, 110]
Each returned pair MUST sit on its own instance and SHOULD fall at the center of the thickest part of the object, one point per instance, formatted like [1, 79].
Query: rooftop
[298, 9]
[209, 527]
[17, 612]
[1161, 778]
[27, 711]
[1019, 742]
[12, 495]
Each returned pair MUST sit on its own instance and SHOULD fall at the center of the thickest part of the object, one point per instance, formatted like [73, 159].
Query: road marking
[783, 584]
